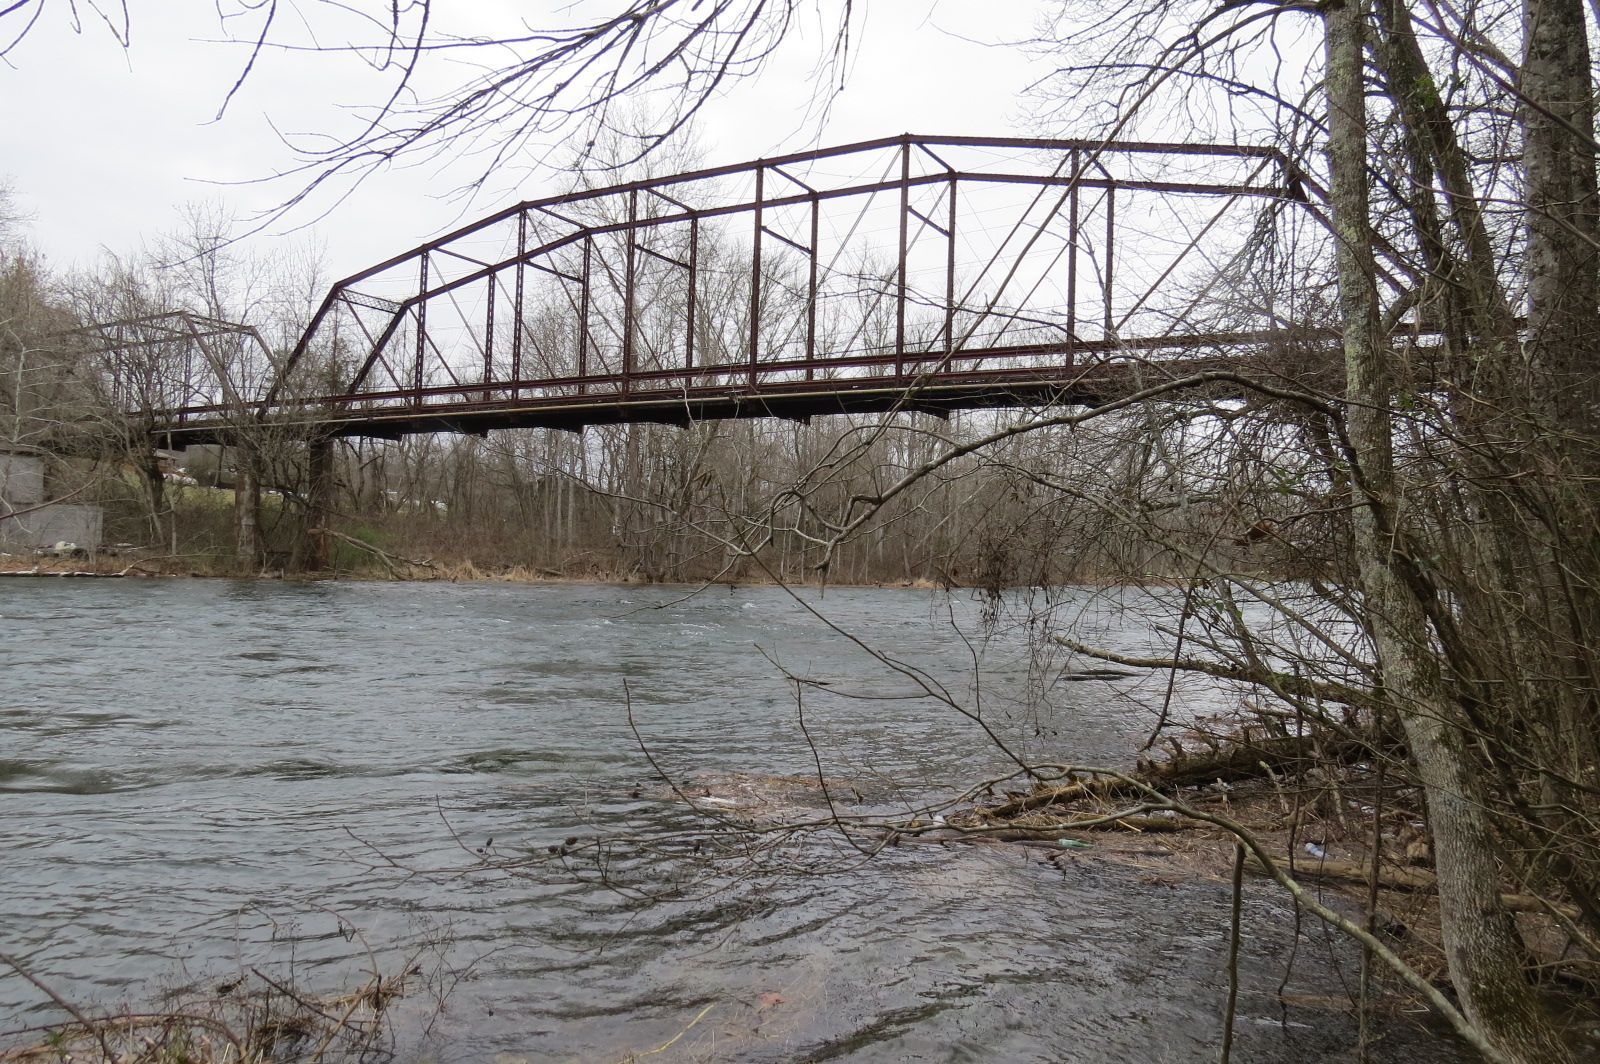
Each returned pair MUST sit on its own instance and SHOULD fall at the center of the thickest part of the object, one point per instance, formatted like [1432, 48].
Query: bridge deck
[677, 398]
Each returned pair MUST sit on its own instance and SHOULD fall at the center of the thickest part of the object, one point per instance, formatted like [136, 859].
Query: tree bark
[1481, 947]
[1563, 257]
[1561, 401]
[155, 491]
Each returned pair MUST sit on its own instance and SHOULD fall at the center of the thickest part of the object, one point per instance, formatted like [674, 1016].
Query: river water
[201, 777]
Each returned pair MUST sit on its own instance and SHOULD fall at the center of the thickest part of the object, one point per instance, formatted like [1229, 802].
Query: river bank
[133, 564]
[207, 567]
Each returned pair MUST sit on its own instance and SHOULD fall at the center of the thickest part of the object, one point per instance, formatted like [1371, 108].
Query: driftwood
[1411, 879]
[1070, 792]
[1229, 762]
[1248, 760]
[1135, 822]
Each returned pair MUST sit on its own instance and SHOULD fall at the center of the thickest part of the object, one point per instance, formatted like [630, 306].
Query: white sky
[102, 147]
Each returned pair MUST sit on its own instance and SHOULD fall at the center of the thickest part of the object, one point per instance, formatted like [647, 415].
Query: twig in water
[1233, 954]
[72, 1010]
[668, 1044]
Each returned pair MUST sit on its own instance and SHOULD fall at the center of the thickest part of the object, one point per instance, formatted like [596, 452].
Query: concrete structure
[21, 478]
[54, 522]
[38, 523]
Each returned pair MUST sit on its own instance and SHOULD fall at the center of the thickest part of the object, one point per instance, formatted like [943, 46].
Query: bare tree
[500, 93]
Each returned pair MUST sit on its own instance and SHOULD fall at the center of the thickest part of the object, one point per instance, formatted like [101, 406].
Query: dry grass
[249, 1020]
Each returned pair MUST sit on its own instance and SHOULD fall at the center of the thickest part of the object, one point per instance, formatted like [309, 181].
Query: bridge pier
[319, 503]
[246, 510]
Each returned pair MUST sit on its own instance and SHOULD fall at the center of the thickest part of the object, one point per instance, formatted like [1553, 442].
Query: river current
[198, 778]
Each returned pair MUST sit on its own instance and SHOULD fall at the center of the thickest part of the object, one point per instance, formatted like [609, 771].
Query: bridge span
[910, 273]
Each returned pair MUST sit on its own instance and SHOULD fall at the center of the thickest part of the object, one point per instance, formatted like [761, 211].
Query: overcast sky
[102, 146]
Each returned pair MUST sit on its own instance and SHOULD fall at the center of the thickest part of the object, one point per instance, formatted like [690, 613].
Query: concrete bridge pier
[317, 549]
[246, 509]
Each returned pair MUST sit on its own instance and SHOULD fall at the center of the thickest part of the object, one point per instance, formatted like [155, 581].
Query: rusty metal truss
[911, 272]
[154, 363]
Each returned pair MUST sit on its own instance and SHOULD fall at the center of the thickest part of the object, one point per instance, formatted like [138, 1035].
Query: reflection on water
[196, 777]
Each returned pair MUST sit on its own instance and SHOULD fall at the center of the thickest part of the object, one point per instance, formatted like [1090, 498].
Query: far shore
[177, 569]
[141, 564]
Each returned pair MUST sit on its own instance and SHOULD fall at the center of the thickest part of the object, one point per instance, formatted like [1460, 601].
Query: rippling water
[198, 777]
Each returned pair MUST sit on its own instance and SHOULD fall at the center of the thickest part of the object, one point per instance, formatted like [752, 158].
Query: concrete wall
[52, 523]
[22, 483]
[21, 479]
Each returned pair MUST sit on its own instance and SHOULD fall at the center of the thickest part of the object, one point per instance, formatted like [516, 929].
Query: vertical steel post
[516, 331]
[488, 337]
[950, 273]
[1111, 222]
[900, 284]
[583, 318]
[811, 293]
[1072, 260]
[694, 271]
[422, 333]
[628, 275]
[755, 278]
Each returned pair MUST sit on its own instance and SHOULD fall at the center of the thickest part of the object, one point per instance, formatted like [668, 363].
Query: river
[199, 777]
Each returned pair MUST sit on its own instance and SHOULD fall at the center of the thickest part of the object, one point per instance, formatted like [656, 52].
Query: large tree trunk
[1561, 399]
[1563, 257]
[162, 532]
[1480, 941]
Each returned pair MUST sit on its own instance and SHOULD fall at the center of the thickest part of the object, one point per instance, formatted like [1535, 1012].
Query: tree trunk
[1481, 947]
[156, 493]
[1561, 403]
[1563, 260]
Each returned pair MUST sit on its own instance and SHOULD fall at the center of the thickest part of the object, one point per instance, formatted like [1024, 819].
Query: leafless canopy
[501, 94]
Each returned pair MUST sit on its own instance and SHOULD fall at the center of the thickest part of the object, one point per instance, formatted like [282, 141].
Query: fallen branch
[1071, 792]
[1286, 684]
[1235, 761]
[1136, 818]
[1134, 822]
[1249, 760]
[383, 556]
[1410, 879]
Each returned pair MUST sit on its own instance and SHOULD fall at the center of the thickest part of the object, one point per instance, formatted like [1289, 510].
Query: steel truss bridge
[910, 273]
